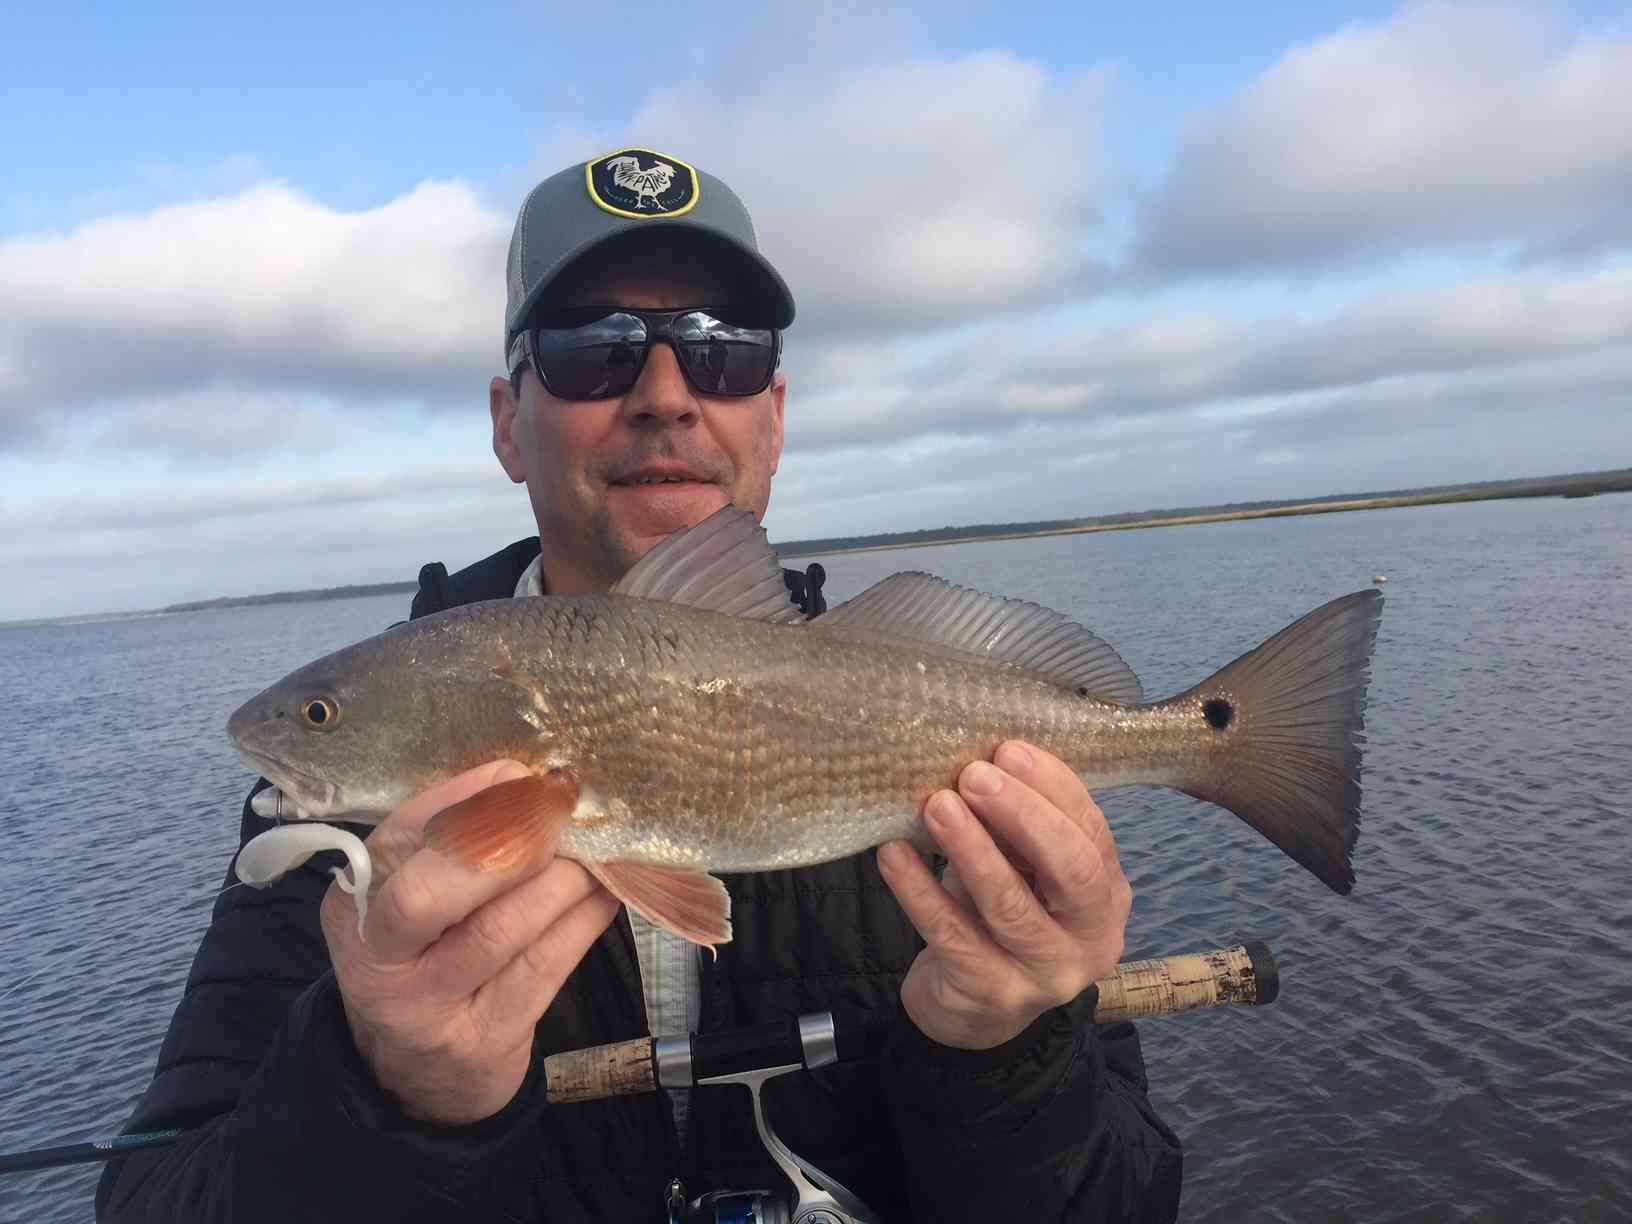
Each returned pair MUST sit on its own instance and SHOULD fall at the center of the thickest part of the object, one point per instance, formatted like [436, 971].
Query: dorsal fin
[922, 608]
[723, 564]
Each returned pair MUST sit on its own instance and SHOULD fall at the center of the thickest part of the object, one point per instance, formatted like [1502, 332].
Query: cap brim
[771, 296]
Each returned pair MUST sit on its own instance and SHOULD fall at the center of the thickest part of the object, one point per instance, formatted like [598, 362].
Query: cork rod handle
[601, 1071]
[1135, 990]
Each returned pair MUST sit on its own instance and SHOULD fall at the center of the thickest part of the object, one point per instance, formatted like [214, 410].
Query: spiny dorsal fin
[922, 608]
[723, 564]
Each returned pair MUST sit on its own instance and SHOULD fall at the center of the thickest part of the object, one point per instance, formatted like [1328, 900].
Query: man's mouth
[660, 476]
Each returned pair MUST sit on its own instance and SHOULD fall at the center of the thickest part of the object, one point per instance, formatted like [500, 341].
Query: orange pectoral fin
[691, 904]
[501, 826]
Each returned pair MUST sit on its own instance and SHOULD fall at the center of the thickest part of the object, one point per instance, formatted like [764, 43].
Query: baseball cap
[584, 206]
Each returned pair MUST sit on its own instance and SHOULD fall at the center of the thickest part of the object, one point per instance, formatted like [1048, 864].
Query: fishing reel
[729, 1207]
[750, 1057]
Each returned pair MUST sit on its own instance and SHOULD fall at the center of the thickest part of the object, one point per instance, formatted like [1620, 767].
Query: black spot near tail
[1292, 769]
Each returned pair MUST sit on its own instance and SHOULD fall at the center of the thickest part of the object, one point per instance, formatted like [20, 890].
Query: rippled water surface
[1452, 1041]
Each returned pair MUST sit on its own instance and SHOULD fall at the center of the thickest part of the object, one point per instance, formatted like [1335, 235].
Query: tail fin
[1292, 711]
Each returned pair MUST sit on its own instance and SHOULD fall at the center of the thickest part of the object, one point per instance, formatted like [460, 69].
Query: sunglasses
[598, 354]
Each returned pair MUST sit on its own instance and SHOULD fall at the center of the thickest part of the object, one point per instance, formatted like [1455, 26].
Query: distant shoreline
[361, 591]
[1576, 486]
[1582, 484]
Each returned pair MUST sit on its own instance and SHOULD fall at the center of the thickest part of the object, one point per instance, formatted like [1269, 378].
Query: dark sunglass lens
[722, 358]
[596, 360]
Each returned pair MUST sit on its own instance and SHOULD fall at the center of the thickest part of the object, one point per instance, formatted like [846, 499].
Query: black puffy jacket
[288, 1124]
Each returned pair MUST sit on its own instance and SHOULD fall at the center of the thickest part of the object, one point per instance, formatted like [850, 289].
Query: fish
[690, 722]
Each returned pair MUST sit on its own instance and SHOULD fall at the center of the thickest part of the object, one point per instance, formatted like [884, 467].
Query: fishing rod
[1135, 990]
[85, 1153]
[1245, 974]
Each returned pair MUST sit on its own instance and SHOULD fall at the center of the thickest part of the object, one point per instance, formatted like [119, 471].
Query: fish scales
[774, 745]
[678, 726]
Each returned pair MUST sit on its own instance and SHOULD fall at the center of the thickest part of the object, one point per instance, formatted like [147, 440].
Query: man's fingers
[942, 922]
[398, 837]
[476, 948]
[431, 892]
[524, 988]
[1052, 778]
[1001, 895]
[1077, 881]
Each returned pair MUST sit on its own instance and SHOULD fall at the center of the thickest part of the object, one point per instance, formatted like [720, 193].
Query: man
[400, 1079]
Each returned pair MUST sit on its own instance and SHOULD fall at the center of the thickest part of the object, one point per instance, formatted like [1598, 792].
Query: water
[1452, 1041]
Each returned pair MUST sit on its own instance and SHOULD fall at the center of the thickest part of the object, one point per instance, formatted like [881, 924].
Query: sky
[1050, 261]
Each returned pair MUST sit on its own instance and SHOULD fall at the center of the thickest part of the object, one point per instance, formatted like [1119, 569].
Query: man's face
[589, 464]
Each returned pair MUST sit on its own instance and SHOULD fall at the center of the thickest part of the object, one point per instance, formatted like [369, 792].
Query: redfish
[690, 722]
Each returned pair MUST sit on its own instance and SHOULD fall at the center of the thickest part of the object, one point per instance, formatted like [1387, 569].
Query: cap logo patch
[640, 183]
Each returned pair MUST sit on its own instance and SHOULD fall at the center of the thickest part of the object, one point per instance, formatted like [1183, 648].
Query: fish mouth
[315, 797]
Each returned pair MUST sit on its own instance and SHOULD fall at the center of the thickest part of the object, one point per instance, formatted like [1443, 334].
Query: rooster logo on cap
[650, 183]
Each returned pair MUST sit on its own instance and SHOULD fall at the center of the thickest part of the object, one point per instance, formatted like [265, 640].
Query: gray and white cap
[571, 213]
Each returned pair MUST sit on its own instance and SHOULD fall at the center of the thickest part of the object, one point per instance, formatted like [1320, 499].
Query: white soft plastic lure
[266, 859]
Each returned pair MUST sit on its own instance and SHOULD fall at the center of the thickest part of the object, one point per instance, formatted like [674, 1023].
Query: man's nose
[661, 393]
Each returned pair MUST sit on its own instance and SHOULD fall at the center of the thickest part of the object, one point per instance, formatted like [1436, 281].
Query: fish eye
[320, 713]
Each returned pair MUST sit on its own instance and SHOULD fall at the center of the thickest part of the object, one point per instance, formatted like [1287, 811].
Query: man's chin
[650, 512]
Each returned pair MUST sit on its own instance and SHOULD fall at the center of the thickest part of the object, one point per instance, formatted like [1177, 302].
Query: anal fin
[691, 904]
[497, 828]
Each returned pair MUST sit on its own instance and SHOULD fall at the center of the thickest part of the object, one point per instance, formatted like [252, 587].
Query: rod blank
[84, 1153]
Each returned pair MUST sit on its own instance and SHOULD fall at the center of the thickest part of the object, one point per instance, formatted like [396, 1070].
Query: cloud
[265, 291]
[1403, 433]
[1274, 431]
[894, 195]
[909, 194]
[1453, 125]
[277, 496]
[1013, 373]
[195, 540]
[1163, 411]
[386, 539]
[214, 422]
[961, 353]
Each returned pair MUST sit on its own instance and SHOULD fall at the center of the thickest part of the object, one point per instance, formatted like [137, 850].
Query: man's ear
[779, 391]
[503, 404]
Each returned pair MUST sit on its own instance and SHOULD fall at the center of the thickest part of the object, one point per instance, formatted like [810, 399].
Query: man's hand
[459, 965]
[1002, 950]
